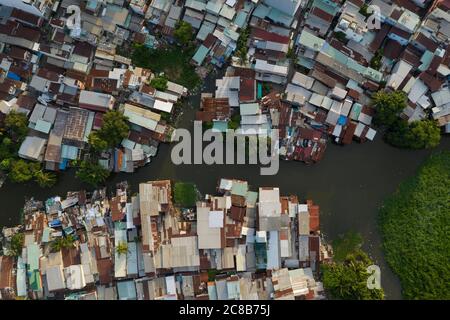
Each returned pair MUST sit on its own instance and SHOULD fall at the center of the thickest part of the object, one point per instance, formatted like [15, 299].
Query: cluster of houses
[325, 98]
[403, 41]
[235, 244]
[323, 59]
[65, 79]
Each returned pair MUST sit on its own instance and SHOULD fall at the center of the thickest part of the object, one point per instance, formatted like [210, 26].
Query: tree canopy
[183, 32]
[185, 194]
[348, 280]
[23, 171]
[92, 173]
[388, 107]
[113, 130]
[159, 83]
[16, 124]
[45, 179]
[16, 244]
[63, 242]
[422, 134]
[414, 223]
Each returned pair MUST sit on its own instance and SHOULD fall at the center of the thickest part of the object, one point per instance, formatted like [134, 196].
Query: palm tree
[45, 179]
[64, 242]
[122, 248]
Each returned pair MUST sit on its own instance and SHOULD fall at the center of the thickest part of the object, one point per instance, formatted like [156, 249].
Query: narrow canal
[349, 184]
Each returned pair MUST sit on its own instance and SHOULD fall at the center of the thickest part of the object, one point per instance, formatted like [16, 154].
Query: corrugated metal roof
[200, 55]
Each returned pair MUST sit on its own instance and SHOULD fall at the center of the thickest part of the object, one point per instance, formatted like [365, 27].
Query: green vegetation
[207, 125]
[16, 125]
[363, 10]
[414, 224]
[16, 244]
[212, 273]
[183, 32]
[241, 46]
[63, 242]
[92, 173]
[22, 171]
[45, 179]
[340, 36]
[234, 122]
[345, 245]
[122, 248]
[173, 61]
[291, 53]
[114, 129]
[12, 134]
[185, 194]
[375, 62]
[159, 83]
[415, 135]
[388, 107]
[347, 280]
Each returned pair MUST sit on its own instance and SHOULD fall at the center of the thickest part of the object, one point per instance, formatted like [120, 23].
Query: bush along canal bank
[414, 223]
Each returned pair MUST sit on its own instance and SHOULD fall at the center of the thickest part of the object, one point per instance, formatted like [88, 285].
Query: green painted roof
[35, 281]
[249, 108]
[251, 197]
[311, 41]
[220, 126]
[327, 6]
[426, 60]
[239, 188]
[350, 63]
[280, 17]
[200, 55]
[33, 254]
[126, 290]
[356, 110]
[240, 19]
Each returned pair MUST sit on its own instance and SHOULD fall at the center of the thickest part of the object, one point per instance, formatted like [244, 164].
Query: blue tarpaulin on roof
[63, 164]
[342, 120]
[12, 75]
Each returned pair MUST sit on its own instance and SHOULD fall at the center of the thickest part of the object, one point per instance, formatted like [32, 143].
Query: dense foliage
[113, 130]
[345, 245]
[23, 171]
[415, 224]
[234, 122]
[183, 32]
[388, 107]
[63, 242]
[16, 244]
[375, 62]
[12, 134]
[92, 173]
[185, 194]
[173, 61]
[16, 124]
[421, 134]
[241, 46]
[45, 179]
[416, 135]
[348, 280]
[159, 83]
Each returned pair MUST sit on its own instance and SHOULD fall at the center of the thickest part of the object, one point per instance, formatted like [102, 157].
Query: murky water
[349, 184]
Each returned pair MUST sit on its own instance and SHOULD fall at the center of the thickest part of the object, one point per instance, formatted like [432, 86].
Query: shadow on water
[349, 184]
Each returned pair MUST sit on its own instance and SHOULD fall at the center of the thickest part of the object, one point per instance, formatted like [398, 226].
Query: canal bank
[349, 185]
